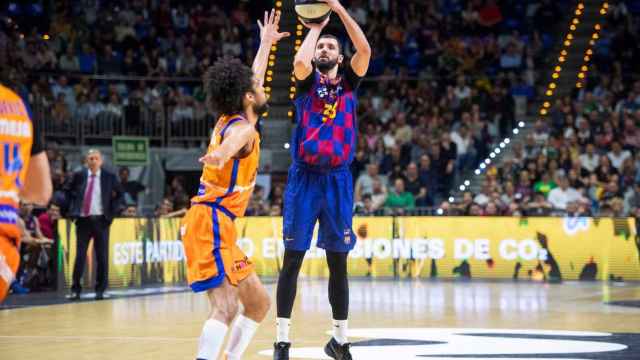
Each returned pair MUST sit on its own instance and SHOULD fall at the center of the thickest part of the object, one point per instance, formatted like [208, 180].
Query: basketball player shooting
[319, 185]
[216, 265]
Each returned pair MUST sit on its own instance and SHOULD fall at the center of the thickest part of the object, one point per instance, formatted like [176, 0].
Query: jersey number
[13, 163]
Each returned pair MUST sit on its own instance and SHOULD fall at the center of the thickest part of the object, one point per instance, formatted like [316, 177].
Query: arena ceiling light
[451, 199]
[467, 183]
[507, 140]
[478, 172]
[502, 145]
[516, 131]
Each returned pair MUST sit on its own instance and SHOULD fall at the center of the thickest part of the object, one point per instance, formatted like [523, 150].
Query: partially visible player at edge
[215, 263]
[24, 175]
[319, 184]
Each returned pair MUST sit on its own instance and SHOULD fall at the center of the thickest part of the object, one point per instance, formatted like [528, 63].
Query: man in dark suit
[94, 197]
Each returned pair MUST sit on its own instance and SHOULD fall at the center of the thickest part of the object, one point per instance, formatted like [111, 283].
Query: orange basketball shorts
[9, 261]
[209, 238]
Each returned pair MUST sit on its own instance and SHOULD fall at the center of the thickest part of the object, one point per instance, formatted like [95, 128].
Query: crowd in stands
[582, 159]
[129, 41]
[477, 62]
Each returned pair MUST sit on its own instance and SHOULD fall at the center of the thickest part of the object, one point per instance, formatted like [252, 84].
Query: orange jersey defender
[16, 138]
[208, 231]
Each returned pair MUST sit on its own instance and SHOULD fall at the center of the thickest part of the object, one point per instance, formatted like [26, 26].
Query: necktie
[86, 204]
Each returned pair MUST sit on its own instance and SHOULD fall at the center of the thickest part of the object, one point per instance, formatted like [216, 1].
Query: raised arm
[269, 35]
[302, 65]
[236, 137]
[360, 60]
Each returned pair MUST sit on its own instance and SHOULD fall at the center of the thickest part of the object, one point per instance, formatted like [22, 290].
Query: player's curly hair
[225, 83]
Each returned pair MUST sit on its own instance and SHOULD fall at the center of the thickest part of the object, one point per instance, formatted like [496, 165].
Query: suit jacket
[111, 191]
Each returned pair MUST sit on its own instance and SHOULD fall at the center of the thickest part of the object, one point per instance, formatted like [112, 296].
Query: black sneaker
[281, 351]
[337, 351]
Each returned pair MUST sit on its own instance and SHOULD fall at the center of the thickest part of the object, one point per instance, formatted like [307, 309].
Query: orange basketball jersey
[16, 138]
[231, 186]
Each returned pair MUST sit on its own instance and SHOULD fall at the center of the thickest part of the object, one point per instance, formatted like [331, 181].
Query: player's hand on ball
[319, 26]
[269, 28]
[213, 159]
[333, 4]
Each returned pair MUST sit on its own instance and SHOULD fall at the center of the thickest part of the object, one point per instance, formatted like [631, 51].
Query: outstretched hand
[269, 28]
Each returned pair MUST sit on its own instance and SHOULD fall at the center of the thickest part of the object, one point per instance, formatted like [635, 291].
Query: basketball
[312, 11]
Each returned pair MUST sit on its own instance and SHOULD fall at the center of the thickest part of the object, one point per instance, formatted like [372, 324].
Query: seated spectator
[617, 155]
[416, 187]
[131, 188]
[48, 221]
[589, 159]
[545, 185]
[130, 211]
[379, 195]
[539, 206]
[562, 195]
[364, 184]
[399, 199]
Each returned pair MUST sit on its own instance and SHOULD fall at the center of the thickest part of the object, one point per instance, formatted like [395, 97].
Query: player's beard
[260, 109]
[324, 66]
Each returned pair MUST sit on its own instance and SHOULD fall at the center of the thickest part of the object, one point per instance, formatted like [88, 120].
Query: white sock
[241, 333]
[340, 331]
[211, 339]
[283, 325]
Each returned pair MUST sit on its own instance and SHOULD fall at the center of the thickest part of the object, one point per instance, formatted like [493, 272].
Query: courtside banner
[149, 251]
[141, 252]
[467, 247]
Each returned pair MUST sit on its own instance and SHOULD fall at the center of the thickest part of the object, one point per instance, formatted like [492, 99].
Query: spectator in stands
[164, 209]
[545, 184]
[617, 155]
[69, 61]
[589, 159]
[416, 187]
[364, 184]
[399, 199]
[131, 188]
[48, 221]
[463, 141]
[539, 206]
[562, 195]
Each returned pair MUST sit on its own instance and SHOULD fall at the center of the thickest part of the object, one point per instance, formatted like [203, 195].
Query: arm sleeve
[38, 142]
[303, 86]
[352, 78]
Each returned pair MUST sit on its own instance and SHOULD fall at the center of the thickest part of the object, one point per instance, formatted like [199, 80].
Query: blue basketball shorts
[314, 196]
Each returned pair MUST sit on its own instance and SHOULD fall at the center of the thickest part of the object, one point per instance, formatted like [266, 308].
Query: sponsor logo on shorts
[239, 265]
[347, 236]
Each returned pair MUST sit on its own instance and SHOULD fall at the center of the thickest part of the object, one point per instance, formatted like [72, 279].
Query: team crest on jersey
[347, 236]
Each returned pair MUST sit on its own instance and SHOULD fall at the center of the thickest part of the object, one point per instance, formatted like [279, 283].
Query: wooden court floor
[391, 320]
